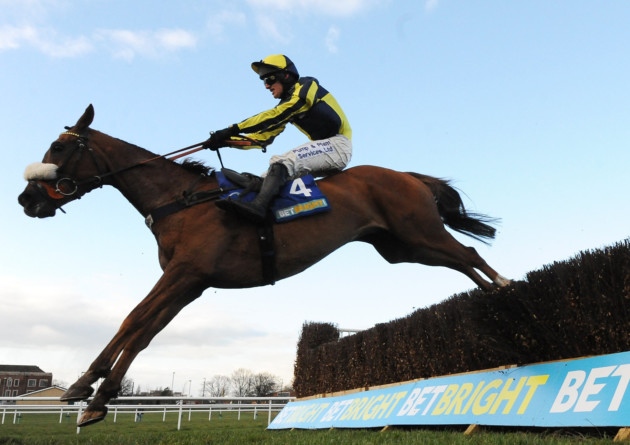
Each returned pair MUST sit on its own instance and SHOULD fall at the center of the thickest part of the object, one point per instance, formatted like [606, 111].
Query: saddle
[298, 198]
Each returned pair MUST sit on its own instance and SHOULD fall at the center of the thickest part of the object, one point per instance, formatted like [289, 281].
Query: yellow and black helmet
[274, 63]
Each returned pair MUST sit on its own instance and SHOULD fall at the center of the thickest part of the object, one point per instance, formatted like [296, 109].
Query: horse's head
[68, 171]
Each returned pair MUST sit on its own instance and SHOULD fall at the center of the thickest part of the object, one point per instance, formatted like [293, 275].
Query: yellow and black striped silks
[309, 106]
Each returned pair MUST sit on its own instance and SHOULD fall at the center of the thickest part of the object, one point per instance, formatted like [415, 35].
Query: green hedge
[567, 309]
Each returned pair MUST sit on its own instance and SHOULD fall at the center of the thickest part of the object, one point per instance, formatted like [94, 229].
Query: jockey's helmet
[274, 63]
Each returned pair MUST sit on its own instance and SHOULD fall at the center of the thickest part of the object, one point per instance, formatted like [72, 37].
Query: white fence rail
[11, 411]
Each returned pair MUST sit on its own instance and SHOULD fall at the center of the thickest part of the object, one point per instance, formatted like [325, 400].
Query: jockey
[305, 104]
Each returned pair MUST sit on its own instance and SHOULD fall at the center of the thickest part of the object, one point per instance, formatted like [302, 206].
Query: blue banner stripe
[583, 392]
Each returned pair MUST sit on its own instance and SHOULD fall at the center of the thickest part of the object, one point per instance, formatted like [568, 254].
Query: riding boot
[256, 210]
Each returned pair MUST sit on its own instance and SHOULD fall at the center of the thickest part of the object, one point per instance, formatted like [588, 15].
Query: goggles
[271, 79]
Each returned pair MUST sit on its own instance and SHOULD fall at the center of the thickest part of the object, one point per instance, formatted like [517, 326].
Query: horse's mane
[197, 167]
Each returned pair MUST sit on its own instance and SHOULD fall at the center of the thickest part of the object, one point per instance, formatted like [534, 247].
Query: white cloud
[276, 18]
[127, 44]
[218, 23]
[325, 7]
[59, 327]
[33, 9]
[124, 44]
[12, 37]
[331, 39]
[430, 5]
[269, 28]
[174, 39]
[44, 40]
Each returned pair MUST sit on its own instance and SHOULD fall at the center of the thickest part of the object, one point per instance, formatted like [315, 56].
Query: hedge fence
[568, 309]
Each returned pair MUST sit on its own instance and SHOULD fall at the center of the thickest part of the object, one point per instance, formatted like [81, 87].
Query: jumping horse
[403, 215]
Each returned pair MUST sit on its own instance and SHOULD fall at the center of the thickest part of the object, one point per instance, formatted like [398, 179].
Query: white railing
[10, 411]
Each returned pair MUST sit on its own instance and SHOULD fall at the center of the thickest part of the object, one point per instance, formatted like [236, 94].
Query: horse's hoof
[77, 392]
[89, 417]
[501, 281]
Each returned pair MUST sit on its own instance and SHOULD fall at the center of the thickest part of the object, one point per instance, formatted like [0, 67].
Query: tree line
[241, 383]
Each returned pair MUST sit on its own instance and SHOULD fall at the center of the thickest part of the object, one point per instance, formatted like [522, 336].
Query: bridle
[68, 185]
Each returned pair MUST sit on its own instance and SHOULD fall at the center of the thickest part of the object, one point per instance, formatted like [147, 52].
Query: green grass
[45, 429]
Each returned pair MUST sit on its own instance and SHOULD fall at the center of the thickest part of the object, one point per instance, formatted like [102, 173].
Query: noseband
[68, 185]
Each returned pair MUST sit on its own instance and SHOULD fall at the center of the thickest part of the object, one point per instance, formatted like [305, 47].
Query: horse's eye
[57, 148]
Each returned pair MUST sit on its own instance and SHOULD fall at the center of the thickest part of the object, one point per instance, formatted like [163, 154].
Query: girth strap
[188, 200]
[267, 252]
[265, 230]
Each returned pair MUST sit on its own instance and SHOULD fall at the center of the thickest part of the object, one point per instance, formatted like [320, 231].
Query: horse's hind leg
[476, 262]
[439, 250]
[411, 229]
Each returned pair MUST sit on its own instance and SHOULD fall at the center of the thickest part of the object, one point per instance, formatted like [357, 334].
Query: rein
[240, 142]
[67, 186]
[186, 151]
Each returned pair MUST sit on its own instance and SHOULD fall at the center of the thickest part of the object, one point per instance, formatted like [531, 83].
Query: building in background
[52, 391]
[17, 380]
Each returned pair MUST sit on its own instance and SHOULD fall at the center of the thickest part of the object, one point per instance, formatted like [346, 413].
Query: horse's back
[362, 179]
[371, 196]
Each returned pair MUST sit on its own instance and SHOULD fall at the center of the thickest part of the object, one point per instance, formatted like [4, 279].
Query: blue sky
[524, 105]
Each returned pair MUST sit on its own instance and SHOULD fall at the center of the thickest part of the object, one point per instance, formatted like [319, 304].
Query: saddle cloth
[297, 198]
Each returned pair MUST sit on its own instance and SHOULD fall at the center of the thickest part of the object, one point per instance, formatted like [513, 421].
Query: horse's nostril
[23, 199]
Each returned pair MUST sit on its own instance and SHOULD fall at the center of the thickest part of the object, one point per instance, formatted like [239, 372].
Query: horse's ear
[85, 120]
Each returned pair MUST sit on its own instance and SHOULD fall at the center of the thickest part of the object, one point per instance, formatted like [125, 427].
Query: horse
[402, 214]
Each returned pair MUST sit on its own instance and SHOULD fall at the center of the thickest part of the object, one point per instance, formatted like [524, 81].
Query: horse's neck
[146, 180]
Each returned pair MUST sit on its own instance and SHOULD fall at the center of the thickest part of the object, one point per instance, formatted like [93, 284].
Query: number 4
[299, 188]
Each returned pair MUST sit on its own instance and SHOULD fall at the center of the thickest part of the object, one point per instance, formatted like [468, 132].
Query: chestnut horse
[200, 246]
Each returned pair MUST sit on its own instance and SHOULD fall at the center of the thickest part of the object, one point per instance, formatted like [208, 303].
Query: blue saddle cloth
[297, 198]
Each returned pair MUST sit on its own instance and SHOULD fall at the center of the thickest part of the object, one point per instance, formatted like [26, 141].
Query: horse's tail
[453, 212]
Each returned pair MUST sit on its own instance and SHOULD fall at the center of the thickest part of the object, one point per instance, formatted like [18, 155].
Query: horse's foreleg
[82, 389]
[148, 318]
[142, 329]
[109, 388]
[100, 368]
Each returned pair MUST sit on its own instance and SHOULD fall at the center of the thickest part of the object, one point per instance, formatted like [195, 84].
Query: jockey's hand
[220, 138]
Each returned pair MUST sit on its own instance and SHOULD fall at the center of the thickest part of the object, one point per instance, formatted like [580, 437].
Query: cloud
[334, 8]
[51, 311]
[269, 28]
[45, 40]
[276, 18]
[127, 44]
[12, 37]
[123, 44]
[175, 39]
[61, 327]
[218, 23]
[34, 9]
[430, 5]
[331, 39]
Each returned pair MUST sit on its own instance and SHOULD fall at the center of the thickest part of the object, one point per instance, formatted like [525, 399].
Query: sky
[525, 106]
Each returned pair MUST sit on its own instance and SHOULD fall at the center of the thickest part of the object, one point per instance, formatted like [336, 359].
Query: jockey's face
[273, 84]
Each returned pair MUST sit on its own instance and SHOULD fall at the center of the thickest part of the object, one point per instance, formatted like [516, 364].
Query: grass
[45, 429]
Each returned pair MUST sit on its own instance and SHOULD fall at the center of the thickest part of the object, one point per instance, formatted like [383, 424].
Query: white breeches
[316, 157]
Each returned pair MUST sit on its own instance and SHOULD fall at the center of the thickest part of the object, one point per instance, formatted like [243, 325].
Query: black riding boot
[256, 210]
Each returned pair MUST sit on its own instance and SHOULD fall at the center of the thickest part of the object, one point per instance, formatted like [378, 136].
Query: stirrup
[245, 209]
